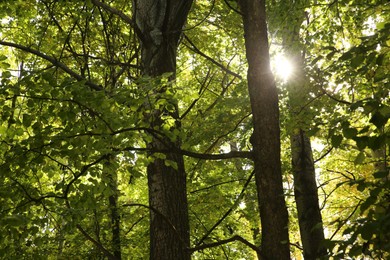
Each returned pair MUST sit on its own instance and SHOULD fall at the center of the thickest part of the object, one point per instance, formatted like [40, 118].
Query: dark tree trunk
[111, 178]
[306, 197]
[115, 225]
[161, 22]
[266, 136]
[305, 186]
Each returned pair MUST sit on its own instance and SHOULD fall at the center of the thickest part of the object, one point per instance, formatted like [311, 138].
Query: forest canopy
[155, 129]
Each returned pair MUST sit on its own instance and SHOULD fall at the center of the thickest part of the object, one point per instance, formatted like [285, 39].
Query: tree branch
[53, 61]
[158, 213]
[96, 243]
[124, 17]
[229, 211]
[196, 50]
[333, 97]
[203, 156]
[225, 241]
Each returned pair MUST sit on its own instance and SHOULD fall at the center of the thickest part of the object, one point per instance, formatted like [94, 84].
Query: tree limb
[203, 156]
[53, 61]
[97, 244]
[225, 241]
[196, 50]
[229, 210]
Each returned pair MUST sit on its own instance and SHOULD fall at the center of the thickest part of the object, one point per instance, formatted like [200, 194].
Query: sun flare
[282, 67]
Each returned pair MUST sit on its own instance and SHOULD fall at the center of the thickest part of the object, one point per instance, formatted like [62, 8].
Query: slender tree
[305, 185]
[266, 135]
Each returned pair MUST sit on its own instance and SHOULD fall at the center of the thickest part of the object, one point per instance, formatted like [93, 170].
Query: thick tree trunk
[266, 136]
[161, 22]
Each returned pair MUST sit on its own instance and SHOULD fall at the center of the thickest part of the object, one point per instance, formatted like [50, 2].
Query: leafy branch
[195, 49]
[227, 213]
[53, 61]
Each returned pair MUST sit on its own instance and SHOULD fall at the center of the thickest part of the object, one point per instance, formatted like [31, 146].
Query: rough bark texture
[266, 136]
[161, 22]
[306, 197]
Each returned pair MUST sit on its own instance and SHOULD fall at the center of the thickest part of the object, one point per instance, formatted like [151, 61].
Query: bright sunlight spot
[282, 67]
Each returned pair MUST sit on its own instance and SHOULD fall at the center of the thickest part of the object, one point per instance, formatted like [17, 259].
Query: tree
[266, 134]
[160, 24]
[303, 167]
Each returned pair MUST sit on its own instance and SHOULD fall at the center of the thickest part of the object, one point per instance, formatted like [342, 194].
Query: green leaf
[378, 119]
[6, 74]
[361, 186]
[360, 158]
[379, 59]
[4, 65]
[172, 164]
[2, 57]
[350, 132]
[367, 231]
[361, 141]
[336, 140]
[357, 61]
[346, 56]
[27, 119]
[380, 175]
[376, 142]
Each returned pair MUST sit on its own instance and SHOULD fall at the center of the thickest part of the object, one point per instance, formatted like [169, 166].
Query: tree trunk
[266, 136]
[305, 186]
[306, 197]
[161, 22]
[111, 178]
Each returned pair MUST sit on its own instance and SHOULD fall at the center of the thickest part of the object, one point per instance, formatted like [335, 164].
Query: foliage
[73, 128]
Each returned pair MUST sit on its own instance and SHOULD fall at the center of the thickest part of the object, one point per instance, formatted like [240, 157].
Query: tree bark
[266, 135]
[161, 22]
[305, 186]
[306, 197]
[111, 178]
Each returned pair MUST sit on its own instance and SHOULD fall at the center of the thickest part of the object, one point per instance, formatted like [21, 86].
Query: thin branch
[345, 221]
[82, 172]
[204, 85]
[229, 155]
[231, 7]
[203, 156]
[215, 185]
[203, 19]
[323, 156]
[196, 50]
[228, 211]
[158, 213]
[124, 17]
[53, 61]
[225, 241]
[96, 243]
[333, 97]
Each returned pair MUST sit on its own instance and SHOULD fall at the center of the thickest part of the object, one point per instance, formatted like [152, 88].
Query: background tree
[266, 134]
[300, 117]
